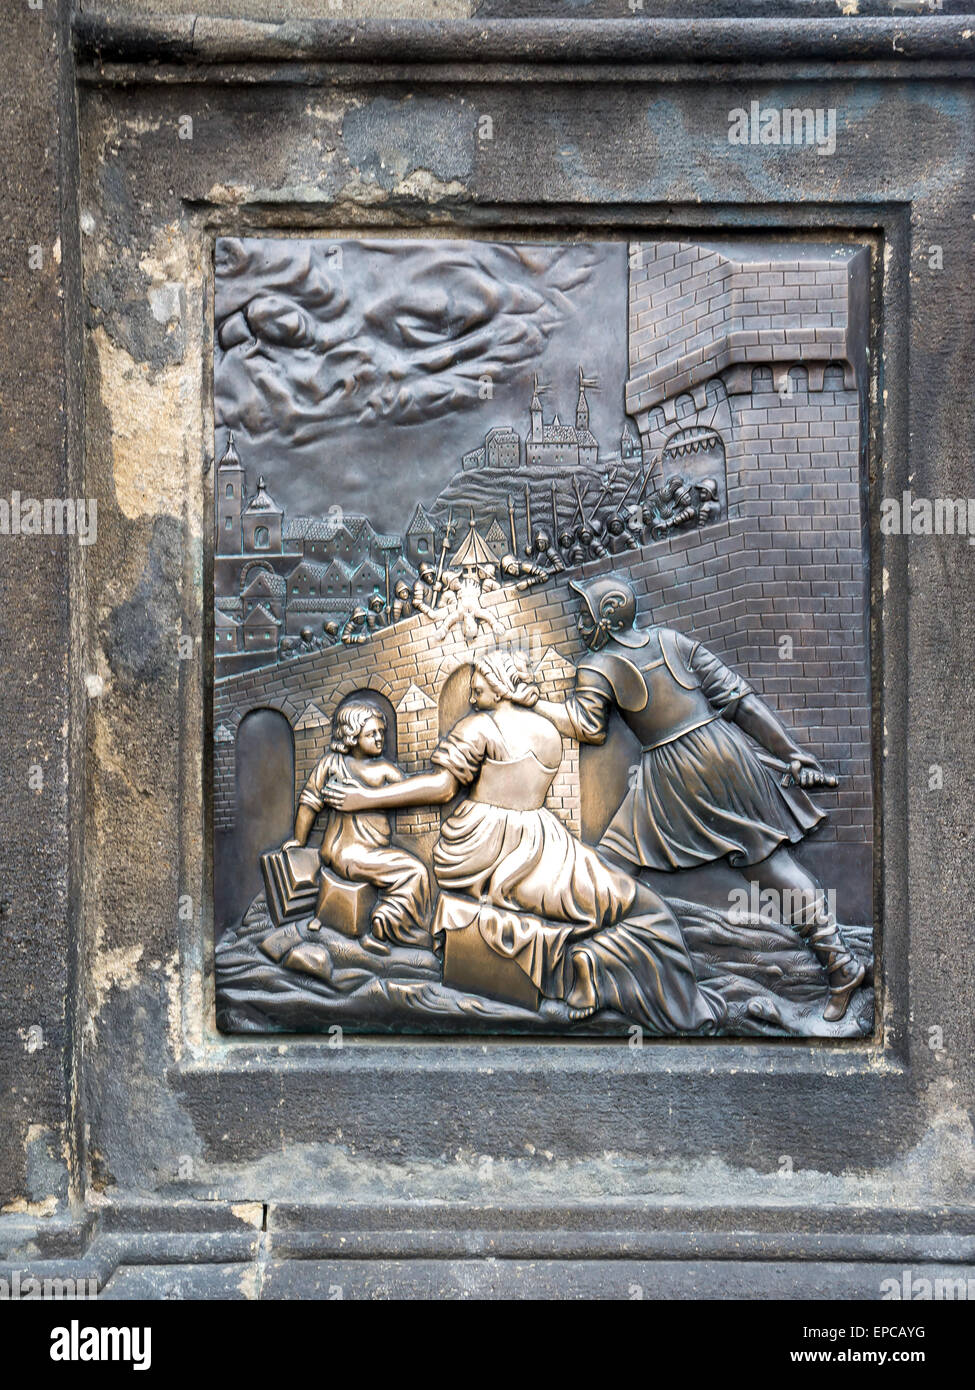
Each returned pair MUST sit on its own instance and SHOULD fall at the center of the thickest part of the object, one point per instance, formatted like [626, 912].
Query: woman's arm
[426, 789]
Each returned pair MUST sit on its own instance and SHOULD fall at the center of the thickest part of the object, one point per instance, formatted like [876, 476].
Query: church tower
[230, 499]
[582, 405]
[537, 433]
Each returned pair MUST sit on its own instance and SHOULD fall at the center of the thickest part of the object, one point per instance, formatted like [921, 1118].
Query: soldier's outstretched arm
[804, 768]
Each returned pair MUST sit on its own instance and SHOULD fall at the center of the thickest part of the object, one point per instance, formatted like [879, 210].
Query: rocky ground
[772, 984]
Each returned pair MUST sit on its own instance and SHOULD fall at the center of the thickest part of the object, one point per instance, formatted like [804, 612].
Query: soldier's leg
[805, 907]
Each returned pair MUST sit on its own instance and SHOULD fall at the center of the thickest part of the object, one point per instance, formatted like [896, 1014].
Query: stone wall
[696, 310]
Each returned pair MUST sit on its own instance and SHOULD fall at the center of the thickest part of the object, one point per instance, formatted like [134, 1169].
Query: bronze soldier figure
[402, 607]
[376, 617]
[425, 589]
[524, 572]
[709, 508]
[355, 631]
[546, 553]
[703, 790]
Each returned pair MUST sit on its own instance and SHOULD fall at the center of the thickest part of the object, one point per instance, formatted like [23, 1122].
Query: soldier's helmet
[509, 564]
[427, 571]
[542, 541]
[358, 615]
[377, 603]
[585, 535]
[565, 539]
[330, 629]
[616, 526]
[306, 634]
[401, 589]
[612, 606]
[708, 489]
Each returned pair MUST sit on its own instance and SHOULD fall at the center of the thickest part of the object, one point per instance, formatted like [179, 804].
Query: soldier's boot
[817, 926]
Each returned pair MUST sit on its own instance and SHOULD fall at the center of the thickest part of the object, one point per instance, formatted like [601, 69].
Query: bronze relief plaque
[540, 643]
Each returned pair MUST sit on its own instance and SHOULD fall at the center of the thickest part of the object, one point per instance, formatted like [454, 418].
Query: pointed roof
[420, 521]
[402, 569]
[260, 616]
[266, 583]
[223, 619]
[313, 568]
[311, 717]
[473, 550]
[536, 390]
[262, 501]
[368, 567]
[340, 569]
[231, 458]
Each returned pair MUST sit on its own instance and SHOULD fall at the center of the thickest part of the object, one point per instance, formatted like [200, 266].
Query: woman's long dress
[503, 847]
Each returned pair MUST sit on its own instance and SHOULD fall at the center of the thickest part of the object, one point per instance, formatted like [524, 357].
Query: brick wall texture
[695, 310]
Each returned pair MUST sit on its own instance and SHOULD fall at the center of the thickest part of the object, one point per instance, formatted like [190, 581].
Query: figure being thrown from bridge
[471, 575]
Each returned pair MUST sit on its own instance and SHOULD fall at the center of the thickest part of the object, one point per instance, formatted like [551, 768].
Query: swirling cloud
[315, 335]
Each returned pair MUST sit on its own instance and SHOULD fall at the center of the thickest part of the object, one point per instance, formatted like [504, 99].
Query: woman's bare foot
[380, 935]
[581, 999]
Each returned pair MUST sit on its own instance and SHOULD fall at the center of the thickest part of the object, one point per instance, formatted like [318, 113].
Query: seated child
[356, 845]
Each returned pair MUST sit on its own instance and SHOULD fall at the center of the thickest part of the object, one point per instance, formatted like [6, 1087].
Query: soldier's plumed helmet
[612, 605]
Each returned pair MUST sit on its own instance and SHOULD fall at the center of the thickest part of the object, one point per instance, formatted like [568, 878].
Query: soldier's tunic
[702, 790]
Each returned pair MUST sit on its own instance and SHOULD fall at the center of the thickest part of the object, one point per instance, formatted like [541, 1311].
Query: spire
[231, 458]
[582, 406]
[262, 500]
[537, 432]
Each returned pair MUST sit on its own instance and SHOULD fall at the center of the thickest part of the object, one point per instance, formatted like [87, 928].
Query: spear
[579, 497]
[443, 555]
[529, 546]
[606, 488]
[555, 515]
[649, 473]
[386, 564]
[631, 485]
[511, 523]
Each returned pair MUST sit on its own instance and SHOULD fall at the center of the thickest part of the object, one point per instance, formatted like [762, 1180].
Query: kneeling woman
[609, 942]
